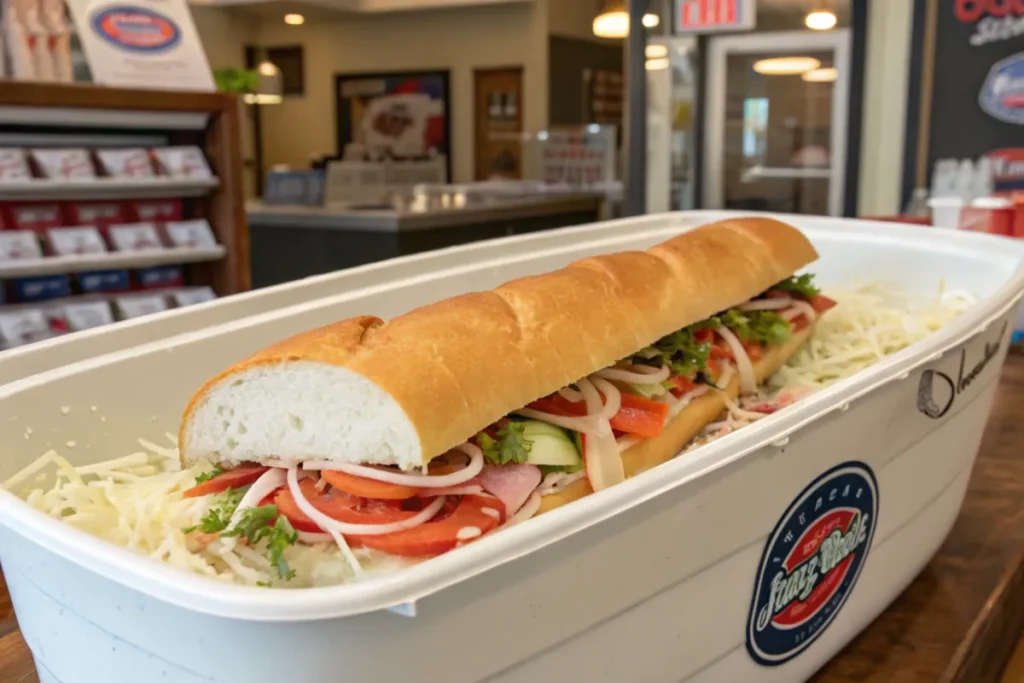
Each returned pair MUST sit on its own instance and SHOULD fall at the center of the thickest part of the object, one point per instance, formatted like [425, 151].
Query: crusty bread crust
[685, 427]
[458, 365]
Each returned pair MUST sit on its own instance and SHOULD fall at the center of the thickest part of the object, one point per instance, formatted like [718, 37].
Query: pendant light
[613, 20]
[270, 86]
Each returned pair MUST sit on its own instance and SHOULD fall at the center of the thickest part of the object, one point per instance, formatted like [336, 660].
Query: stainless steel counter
[421, 213]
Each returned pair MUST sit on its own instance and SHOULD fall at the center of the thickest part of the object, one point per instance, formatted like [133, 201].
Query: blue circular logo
[136, 29]
[811, 562]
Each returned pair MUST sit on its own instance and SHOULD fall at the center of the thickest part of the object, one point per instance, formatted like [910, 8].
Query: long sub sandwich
[418, 435]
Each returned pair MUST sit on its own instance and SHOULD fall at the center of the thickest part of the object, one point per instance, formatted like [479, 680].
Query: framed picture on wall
[398, 115]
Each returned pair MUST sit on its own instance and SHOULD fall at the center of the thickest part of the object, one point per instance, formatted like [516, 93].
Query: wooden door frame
[476, 123]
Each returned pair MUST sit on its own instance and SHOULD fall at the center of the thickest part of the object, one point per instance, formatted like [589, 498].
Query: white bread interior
[405, 391]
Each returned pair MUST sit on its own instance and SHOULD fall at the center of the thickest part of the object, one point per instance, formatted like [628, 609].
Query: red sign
[705, 16]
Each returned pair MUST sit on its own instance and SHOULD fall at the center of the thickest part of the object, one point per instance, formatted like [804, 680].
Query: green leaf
[765, 327]
[219, 514]
[207, 476]
[258, 524]
[680, 350]
[511, 444]
[801, 285]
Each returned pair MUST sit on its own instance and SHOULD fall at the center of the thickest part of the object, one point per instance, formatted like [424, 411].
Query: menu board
[978, 100]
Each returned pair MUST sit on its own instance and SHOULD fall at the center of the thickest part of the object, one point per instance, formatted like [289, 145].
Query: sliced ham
[511, 484]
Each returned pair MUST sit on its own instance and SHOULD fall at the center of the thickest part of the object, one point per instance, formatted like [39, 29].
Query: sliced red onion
[529, 509]
[800, 308]
[583, 425]
[312, 539]
[686, 399]
[334, 526]
[269, 481]
[555, 482]
[602, 459]
[748, 384]
[612, 402]
[767, 304]
[570, 394]
[476, 463]
[636, 374]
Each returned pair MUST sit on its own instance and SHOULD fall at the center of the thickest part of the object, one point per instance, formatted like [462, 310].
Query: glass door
[776, 122]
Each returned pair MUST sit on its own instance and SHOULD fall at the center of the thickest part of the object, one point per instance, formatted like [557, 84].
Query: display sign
[194, 234]
[138, 306]
[978, 98]
[89, 314]
[19, 244]
[142, 44]
[76, 241]
[580, 157]
[709, 16]
[135, 237]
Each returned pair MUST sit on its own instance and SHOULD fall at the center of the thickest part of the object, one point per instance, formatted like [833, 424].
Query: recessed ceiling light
[821, 20]
[827, 74]
[294, 19]
[655, 51]
[786, 66]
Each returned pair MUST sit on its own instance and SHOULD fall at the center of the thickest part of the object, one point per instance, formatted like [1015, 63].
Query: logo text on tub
[811, 562]
[937, 391]
[135, 29]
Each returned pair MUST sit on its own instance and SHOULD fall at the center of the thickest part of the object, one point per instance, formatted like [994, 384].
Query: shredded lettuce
[765, 327]
[508, 445]
[680, 350]
[800, 285]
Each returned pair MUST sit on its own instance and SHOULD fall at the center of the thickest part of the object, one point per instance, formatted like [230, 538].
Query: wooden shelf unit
[209, 120]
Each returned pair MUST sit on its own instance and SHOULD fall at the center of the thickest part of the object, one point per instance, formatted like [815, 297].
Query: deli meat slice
[511, 484]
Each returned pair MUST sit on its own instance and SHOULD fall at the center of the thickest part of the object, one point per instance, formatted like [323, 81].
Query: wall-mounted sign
[710, 16]
[142, 44]
[978, 99]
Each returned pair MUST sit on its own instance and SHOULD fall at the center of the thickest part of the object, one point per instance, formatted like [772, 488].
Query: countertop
[427, 213]
[958, 622]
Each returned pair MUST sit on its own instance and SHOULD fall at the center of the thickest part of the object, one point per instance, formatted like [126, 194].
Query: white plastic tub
[652, 580]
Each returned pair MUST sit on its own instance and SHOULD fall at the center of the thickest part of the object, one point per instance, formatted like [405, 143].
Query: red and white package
[76, 241]
[182, 162]
[135, 237]
[137, 306]
[18, 245]
[14, 165]
[38, 217]
[88, 314]
[133, 162]
[194, 234]
[156, 210]
[24, 326]
[99, 214]
[64, 164]
[54, 20]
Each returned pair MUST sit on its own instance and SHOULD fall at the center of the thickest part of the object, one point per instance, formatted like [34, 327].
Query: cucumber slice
[551, 445]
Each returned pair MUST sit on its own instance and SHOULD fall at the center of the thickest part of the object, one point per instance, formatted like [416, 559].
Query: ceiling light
[613, 21]
[655, 51]
[827, 74]
[659, 64]
[785, 66]
[267, 68]
[294, 19]
[821, 20]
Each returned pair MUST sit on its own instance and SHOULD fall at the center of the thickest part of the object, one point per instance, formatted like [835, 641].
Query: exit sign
[708, 16]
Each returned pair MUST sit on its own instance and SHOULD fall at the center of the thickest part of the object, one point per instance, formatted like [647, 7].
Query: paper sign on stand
[195, 234]
[88, 314]
[76, 241]
[135, 237]
[138, 306]
[142, 44]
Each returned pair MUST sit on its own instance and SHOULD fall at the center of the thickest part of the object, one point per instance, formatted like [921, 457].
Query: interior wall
[459, 40]
[886, 76]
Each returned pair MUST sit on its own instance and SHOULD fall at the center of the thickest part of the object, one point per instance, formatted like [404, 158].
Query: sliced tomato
[821, 303]
[235, 478]
[754, 351]
[367, 488]
[719, 353]
[683, 385]
[640, 416]
[338, 505]
[637, 415]
[704, 335]
[440, 534]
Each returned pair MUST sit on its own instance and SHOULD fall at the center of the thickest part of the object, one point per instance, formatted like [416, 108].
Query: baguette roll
[403, 392]
[687, 425]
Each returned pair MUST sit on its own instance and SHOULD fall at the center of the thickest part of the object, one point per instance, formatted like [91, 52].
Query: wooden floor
[1015, 669]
